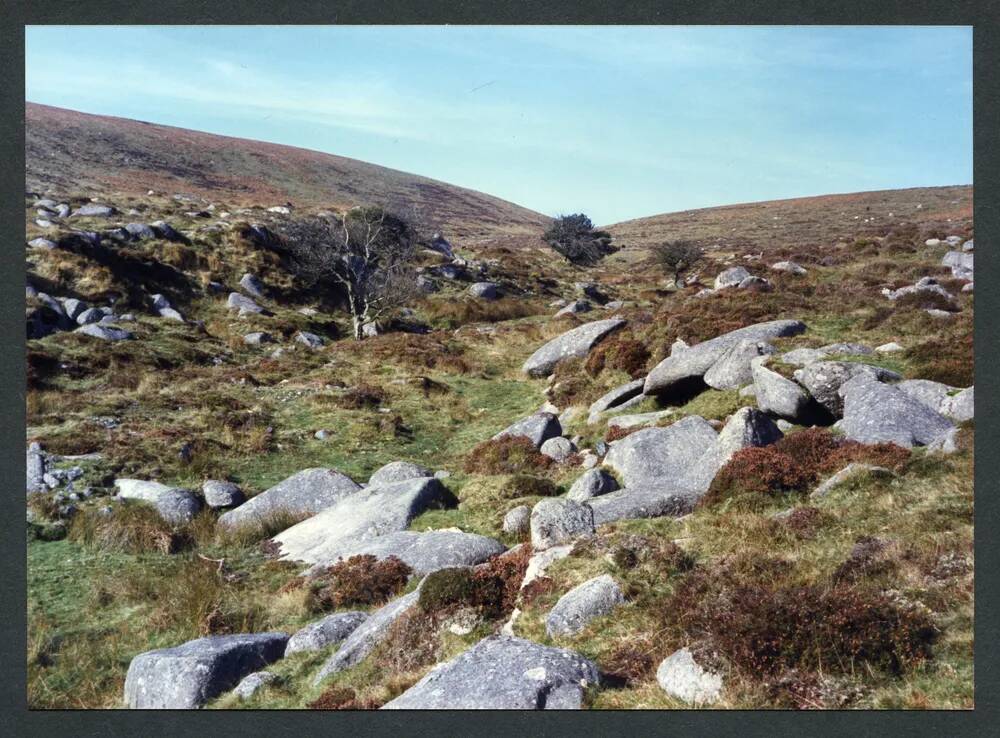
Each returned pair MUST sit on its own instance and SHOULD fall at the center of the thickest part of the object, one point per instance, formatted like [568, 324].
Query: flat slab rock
[879, 413]
[537, 428]
[593, 599]
[326, 632]
[398, 471]
[428, 551]
[187, 676]
[363, 639]
[694, 361]
[503, 673]
[824, 379]
[575, 343]
[304, 493]
[358, 519]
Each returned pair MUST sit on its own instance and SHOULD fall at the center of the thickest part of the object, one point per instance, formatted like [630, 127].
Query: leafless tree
[676, 258]
[368, 253]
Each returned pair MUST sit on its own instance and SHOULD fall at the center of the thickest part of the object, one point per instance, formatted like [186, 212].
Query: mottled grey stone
[877, 413]
[140, 231]
[326, 632]
[94, 211]
[252, 683]
[257, 338]
[219, 494]
[244, 304]
[615, 398]
[41, 243]
[823, 379]
[36, 468]
[558, 520]
[187, 676]
[680, 676]
[309, 339]
[517, 520]
[691, 363]
[363, 639]
[632, 420]
[427, 551]
[575, 609]
[252, 285]
[105, 332]
[558, 449]
[537, 428]
[788, 266]
[659, 455]
[304, 493]
[89, 315]
[358, 518]
[574, 308]
[398, 471]
[166, 231]
[777, 395]
[731, 277]
[592, 483]
[575, 343]
[849, 471]
[732, 369]
[177, 506]
[485, 290]
[503, 673]
[803, 356]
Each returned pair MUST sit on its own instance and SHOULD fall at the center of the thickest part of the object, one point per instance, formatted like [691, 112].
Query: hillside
[802, 221]
[75, 152]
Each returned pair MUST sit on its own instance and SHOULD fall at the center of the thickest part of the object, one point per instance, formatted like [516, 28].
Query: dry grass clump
[618, 432]
[362, 396]
[925, 300]
[359, 580]
[410, 350]
[804, 522]
[128, 528]
[452, 313]
[869, 557]
[505, 455]
[491, 588]
[343, 698]
[944, 359]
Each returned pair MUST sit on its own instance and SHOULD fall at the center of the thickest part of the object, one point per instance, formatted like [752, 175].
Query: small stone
[516, 521]
[680, 676]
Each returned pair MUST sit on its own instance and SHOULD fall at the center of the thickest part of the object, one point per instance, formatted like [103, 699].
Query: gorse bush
[574, 237]
[619, 352]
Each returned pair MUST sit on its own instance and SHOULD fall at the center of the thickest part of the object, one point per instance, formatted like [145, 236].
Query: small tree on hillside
[574, 237]
[676, 258]
[368, 254]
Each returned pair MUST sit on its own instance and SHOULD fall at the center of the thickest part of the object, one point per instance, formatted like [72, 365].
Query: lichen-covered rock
[177, 506]
[558, 449]
[731, 277]
[879, 413]
[681, 676]
[220, 494]
[732, 370]
[36, 468]
[681, 367]
[485, 290]
[325, 632]
[537, 428]
[517, 520]
[949, 401]
[659, 456]
[243, 304]
[575, 308]
[592, 483]
[503, 673]
[615, 398]
[779, 396]
[304, 493]
[105, 332]
[788, 266]
[575, 343]
[803, 356]
[253, 683]
[558, 520]
[310, 340]
[428, 551]
[187, 676]
[252, 285]
[398, 471]
[575, 609]
[357, 518]
[824, 379]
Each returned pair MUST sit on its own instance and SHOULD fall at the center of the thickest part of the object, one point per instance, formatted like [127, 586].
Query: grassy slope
[92, 610]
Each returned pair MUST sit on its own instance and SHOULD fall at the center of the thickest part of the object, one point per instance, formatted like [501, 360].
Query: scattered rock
[680, 676]
[590, 484]
[42, 243]
[634, 420]
[94, 211]
[309, 339]
[428, 551]
[304, 493]
[140, 231]
[731, 277]
[732, 369]
[779, 396]
[594, 598]
[503, 673]
[575, 343]
[537, 428]
[326, 632]
[805, 356]
[575, 308]
[946, 443]
[889, 348]
[879, 413]
[220, 494]
[558, 449]
[485, 290]
[788, 266]
[36, 468]
[244, 304]
[251, 683]
[187, 676]
[849, 471]
[559, 520]
[517, 521]
[252, 285]
[660, 456]
[616, 398]
[824, 379]
[257, 338]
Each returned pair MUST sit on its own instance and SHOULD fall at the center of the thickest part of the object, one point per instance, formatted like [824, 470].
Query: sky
[618, 122]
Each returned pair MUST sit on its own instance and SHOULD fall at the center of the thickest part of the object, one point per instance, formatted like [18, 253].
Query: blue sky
[618, 122]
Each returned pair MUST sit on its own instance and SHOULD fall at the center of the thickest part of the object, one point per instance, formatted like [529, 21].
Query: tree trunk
[356, 320]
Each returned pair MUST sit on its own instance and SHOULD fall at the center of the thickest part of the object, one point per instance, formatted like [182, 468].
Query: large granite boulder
[187, 676]
[398, 471]
[575, 343]
[325, 632]
[949, 401]
[575, 609]
[537, 428]
[359, 518]
[880, 413]
[660, 456]
[304, 493]
[682, 368]
[824, 379]
[779, 396]
[732, 370]
[615, 398]
[363, 639]
[803, 356]
[556, 521]
[503, 673]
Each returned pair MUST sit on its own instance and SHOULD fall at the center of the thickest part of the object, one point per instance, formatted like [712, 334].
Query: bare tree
[676, 258]
[368, 253]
